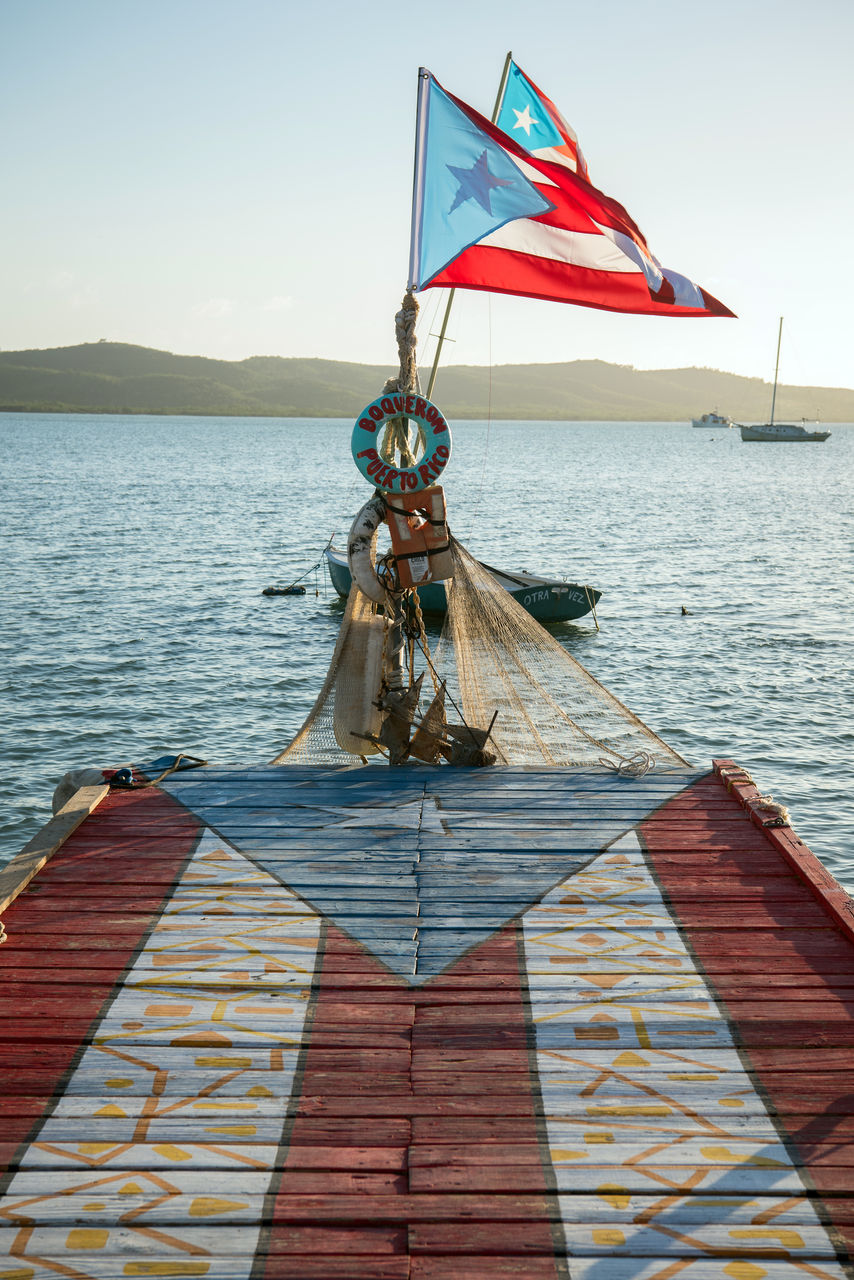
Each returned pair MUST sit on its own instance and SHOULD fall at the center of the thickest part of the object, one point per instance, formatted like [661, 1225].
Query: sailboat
[772, 431]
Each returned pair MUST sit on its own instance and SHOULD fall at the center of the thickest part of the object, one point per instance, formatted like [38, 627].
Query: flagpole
[499, 98]
[418, 175]
[495, 110]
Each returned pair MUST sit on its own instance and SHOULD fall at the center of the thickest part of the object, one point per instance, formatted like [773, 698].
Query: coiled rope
[636, 766]
[779, 812]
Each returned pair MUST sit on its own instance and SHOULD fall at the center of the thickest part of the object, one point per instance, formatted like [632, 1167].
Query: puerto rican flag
[490, 213]
[533, 120]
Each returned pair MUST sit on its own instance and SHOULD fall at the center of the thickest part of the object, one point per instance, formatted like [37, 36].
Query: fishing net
[495, 662]
[551, 711]
[516, 694]
[315, 741]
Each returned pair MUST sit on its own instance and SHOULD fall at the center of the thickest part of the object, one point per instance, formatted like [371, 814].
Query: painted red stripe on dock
[810, 1094]
[89, 860]
[418, 1098]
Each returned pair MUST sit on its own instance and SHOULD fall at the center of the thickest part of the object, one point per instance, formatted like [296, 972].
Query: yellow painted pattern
[646, 1101]
[171, 1122]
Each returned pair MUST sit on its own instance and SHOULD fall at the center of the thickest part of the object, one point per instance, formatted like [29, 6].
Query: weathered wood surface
[18, 873]
[425, 1024]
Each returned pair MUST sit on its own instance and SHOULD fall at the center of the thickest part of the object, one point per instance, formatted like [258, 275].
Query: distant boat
[713, 420]
[546, 599]
[773, 432]
[790, 431]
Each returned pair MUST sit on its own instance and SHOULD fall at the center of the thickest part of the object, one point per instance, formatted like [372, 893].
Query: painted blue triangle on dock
[421, 864]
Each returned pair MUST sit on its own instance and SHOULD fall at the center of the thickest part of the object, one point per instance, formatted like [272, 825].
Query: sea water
[136, 549]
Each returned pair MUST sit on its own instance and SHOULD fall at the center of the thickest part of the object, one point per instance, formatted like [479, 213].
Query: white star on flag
[524, 119]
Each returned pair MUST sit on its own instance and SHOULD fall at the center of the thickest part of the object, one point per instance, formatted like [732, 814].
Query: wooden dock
[426, 1023]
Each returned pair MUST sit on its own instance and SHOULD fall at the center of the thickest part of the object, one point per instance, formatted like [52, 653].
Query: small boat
[773, 432]
[546, 599]
[713, 420]
[293, 590]
[790, 431]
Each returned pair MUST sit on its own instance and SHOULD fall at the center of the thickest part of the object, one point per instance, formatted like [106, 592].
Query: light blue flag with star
[533, 121]
[524, 115]
[466, 184]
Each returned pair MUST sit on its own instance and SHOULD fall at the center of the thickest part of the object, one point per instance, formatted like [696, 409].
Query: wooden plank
[17, 874]
[391, 896]
[354, 991]
[683, 1238]
[787, 1061]
[73, 1031]
[373, 1242]
[489, 1267]
[489, 1183]
[797, 986]
[243, 1201]
[299, 1266]
[799, 1098]
[489, 813]
[354, 1211]
[91, 955]
[425, 1267]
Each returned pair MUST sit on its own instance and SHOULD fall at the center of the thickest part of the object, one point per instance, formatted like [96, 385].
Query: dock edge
[822, 884]
[18, 873]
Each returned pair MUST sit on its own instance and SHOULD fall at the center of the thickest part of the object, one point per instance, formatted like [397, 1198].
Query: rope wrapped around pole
[397, 433]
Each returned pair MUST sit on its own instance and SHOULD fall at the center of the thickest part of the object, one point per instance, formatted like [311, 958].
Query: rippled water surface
[135, 551]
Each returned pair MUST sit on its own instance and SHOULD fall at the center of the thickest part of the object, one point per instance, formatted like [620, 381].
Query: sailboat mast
[441, 342]
[776, 370]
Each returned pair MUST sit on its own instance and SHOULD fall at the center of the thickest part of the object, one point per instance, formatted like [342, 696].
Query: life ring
[361, 546]
[382, 474]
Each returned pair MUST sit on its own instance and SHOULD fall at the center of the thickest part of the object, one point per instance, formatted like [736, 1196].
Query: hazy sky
[233, 177]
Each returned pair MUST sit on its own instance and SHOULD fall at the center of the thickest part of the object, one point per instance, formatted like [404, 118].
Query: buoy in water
[283, 591]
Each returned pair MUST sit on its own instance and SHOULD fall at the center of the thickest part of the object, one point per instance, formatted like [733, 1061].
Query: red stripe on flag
[71, 959]
[783, 975]
[394, 1131]
[533, 277]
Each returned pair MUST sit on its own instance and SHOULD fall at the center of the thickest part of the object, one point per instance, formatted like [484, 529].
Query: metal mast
[776, 370]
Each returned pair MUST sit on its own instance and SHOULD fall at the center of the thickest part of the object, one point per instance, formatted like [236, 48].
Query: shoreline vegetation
[120, 378]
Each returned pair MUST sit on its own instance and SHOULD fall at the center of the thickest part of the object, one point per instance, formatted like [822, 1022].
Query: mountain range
[117, 377]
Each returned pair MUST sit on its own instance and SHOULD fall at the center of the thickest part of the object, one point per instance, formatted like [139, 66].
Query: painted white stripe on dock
[217, 998]
[628, 1111]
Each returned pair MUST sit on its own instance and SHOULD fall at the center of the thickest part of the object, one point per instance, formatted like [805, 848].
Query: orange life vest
[419, 535]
